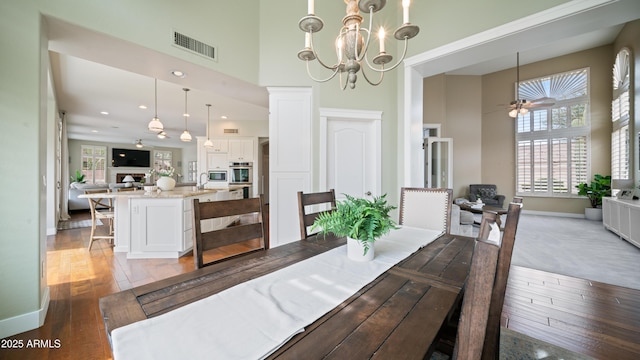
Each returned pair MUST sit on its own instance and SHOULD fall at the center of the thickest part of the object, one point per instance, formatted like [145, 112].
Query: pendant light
[139, 144]
[208, 143]
[155, 125]
[185, 134]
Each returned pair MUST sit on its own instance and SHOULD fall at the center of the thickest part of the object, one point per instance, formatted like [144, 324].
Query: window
[161, 160]
[620, 135]
[552, 142]
[94, 159]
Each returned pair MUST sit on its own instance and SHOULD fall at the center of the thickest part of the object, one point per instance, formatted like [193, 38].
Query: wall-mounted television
[130, 158]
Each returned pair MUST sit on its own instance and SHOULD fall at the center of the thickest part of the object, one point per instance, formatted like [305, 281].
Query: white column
[290, 159]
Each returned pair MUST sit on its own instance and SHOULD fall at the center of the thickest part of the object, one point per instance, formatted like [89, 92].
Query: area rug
[66, 225]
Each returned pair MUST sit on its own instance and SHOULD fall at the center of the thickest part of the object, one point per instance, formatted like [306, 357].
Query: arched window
[620, 133]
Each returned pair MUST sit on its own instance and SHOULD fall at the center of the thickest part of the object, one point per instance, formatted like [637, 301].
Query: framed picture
[626, 194]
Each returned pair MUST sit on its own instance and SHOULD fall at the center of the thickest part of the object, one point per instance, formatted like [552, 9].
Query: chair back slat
[326, 201]
[426, 208]
[478, 291]
[251, 226]
[492, 339]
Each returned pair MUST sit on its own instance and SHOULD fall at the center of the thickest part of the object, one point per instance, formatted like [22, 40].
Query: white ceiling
[93, 72]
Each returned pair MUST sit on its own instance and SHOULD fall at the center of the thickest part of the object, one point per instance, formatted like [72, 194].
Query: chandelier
[353, 40]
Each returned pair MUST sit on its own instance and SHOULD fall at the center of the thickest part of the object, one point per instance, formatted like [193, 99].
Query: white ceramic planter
[593, 214]
[355, 250]
[166, 183]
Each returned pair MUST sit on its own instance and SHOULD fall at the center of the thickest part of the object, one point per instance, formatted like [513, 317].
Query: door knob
[368, 193]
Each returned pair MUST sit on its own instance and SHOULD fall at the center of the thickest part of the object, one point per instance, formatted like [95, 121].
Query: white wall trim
[554, 214]
[25, 322]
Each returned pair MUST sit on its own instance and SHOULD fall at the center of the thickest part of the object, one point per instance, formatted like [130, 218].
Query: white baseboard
[51, 231]
[25, 322]
[555, 214]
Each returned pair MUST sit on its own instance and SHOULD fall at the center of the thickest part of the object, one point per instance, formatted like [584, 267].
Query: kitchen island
[159, 224]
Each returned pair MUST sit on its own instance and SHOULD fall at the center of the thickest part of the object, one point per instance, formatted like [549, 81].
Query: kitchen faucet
[201, 186]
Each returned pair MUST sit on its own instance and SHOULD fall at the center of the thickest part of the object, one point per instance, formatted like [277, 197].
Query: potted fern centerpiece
[361, 220]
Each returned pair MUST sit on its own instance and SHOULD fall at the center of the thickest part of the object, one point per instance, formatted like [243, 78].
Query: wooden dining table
[398, 315]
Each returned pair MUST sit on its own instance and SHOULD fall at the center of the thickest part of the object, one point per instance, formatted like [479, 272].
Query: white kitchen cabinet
[623, 218]
[241, 150]
[217, 161]
[219, 145]
[157, 226]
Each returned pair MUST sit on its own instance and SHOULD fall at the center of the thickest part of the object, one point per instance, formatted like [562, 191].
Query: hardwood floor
[587, 317]
[591, 318]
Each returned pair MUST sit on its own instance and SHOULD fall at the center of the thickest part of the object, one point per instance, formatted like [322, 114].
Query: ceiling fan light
[155, 125]
[185, 136]
[524, 111]
[513, 113]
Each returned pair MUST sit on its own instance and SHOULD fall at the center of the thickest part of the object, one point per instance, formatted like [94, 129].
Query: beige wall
[498, 130]
[455, 103]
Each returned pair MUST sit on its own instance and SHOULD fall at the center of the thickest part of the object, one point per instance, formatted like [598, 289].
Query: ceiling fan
[521, 106]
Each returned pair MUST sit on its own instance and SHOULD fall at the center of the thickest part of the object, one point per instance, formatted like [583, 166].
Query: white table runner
[253, 319]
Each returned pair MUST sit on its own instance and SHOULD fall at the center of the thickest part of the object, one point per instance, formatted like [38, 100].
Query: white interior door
[438, 162]
[350, 152]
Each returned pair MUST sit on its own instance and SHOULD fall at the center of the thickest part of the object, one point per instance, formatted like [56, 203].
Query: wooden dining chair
[250, 227]
[101, 209]
[426, 208]
[474, 316]
[489, 348]
[311, 205]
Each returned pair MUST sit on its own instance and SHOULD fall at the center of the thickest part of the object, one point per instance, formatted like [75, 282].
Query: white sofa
[76, 189]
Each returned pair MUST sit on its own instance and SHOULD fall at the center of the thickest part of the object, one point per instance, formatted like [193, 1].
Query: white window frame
[90, 171]
[621, 152]
[548, 135]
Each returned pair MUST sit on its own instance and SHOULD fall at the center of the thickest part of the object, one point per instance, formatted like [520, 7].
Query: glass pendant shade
[185, 136]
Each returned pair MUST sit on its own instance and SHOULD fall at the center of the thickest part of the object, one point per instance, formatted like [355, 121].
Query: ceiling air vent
[230, 131]
[194, 45]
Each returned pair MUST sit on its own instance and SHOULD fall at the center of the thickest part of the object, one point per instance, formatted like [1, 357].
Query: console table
[623, 218]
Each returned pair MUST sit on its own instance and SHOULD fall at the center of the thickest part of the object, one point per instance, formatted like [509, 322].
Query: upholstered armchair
[487, 192]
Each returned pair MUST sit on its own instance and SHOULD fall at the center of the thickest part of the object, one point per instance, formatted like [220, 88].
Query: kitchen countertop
[177, 192]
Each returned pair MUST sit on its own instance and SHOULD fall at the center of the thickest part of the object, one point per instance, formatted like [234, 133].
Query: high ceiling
[117, 76]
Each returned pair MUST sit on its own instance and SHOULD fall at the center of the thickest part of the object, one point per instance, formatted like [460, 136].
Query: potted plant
[78, 177]
[361, 220]
[600, 186]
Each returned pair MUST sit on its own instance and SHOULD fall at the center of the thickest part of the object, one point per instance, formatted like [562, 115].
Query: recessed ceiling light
[142, 107]
[223, 117]
[178, 73]
[94, 131]
[104, 112]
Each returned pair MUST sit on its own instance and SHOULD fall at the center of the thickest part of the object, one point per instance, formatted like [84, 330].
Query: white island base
[159, 224]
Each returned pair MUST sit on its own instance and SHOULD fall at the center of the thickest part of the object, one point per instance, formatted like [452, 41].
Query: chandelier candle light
[351, 47]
